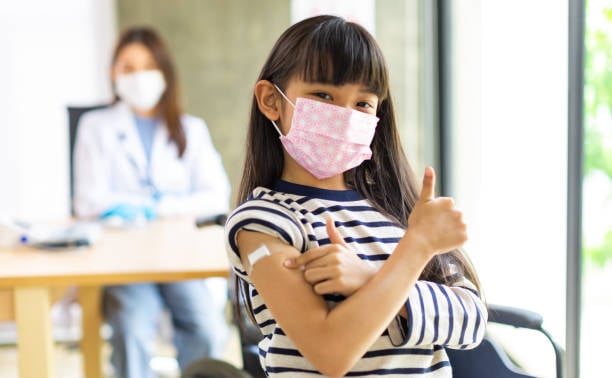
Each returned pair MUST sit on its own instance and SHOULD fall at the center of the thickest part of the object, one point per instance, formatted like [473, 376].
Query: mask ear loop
[282, 94]
[289, 101]
[276, 127]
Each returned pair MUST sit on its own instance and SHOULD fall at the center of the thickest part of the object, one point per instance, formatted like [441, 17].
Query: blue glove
[129, 212]
[149, 213]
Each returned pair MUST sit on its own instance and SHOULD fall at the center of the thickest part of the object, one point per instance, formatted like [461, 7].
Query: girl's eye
[364, 104]
[323, 95]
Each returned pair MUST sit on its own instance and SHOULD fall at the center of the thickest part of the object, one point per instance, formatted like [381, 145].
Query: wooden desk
[168, 250]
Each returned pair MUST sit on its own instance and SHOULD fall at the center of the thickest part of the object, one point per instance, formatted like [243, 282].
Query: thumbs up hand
[436, 221]
[333, 268]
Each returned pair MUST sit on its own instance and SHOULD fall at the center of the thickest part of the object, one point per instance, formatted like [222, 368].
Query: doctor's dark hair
[168, 106]
[330, 50]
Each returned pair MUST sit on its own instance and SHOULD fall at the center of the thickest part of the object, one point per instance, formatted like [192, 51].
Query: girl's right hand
[435, 222]
[333, 268]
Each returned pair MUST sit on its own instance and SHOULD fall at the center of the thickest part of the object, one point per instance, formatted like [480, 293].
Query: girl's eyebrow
[362, 89]
[367, 91]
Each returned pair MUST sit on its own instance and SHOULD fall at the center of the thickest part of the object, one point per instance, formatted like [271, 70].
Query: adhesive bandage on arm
[256, 255]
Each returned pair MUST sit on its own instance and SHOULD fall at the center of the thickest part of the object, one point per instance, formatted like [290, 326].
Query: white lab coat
[110, 167]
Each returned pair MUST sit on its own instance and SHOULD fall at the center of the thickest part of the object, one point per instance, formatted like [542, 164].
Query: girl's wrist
[417, 245]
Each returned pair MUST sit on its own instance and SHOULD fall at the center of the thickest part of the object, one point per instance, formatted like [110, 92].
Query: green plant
[598, 111]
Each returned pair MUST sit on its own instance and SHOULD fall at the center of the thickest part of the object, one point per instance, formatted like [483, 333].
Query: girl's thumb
[332, 232]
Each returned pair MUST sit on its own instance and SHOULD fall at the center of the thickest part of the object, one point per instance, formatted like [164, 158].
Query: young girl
[347, 265]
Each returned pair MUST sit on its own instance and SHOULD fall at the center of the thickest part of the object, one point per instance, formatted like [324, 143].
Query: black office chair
[489, 359]
[74, 115]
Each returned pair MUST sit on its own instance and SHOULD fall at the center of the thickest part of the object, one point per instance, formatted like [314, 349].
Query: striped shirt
[440, 316]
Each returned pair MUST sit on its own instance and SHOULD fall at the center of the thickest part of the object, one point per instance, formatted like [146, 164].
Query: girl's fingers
[326, 287]
[308, 256]
[316, 275]
[325, 260]
[316, 253]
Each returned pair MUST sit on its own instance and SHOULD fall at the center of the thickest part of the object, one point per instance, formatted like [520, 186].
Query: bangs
[339, 53]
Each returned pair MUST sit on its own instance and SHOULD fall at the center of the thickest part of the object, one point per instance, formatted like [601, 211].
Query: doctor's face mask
[327, 139]
[142, 89]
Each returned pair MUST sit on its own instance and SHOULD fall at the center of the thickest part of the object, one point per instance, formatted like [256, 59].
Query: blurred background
[481, 89]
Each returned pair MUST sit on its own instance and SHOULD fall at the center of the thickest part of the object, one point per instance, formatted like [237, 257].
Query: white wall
[54, 54]
[510, 158]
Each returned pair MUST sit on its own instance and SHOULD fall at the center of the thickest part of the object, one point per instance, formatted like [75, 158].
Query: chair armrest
[516, 317]
[521, 318]
[218, 219]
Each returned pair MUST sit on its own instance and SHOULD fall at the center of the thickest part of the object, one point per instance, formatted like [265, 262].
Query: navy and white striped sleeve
[451, 316]
[261, 216]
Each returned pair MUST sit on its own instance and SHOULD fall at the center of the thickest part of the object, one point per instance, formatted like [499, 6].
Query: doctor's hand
[333, 268]
[129, 213]
[435, 222]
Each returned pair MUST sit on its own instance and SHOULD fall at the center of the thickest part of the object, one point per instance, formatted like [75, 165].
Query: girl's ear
[268, 99]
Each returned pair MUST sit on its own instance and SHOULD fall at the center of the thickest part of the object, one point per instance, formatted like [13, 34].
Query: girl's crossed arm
[450, 315]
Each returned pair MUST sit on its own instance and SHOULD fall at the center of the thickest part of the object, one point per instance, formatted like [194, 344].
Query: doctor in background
[142, 158]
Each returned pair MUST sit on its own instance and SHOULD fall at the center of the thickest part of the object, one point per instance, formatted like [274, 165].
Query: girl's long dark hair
[169, 104]
[330, 50]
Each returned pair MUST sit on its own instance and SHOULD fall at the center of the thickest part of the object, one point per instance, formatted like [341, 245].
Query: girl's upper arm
[287, 295]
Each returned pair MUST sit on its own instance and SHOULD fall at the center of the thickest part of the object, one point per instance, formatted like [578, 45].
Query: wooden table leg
[34, 335]
[91, 343]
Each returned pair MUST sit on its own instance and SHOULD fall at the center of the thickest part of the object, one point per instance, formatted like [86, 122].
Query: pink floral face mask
[327, 139]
